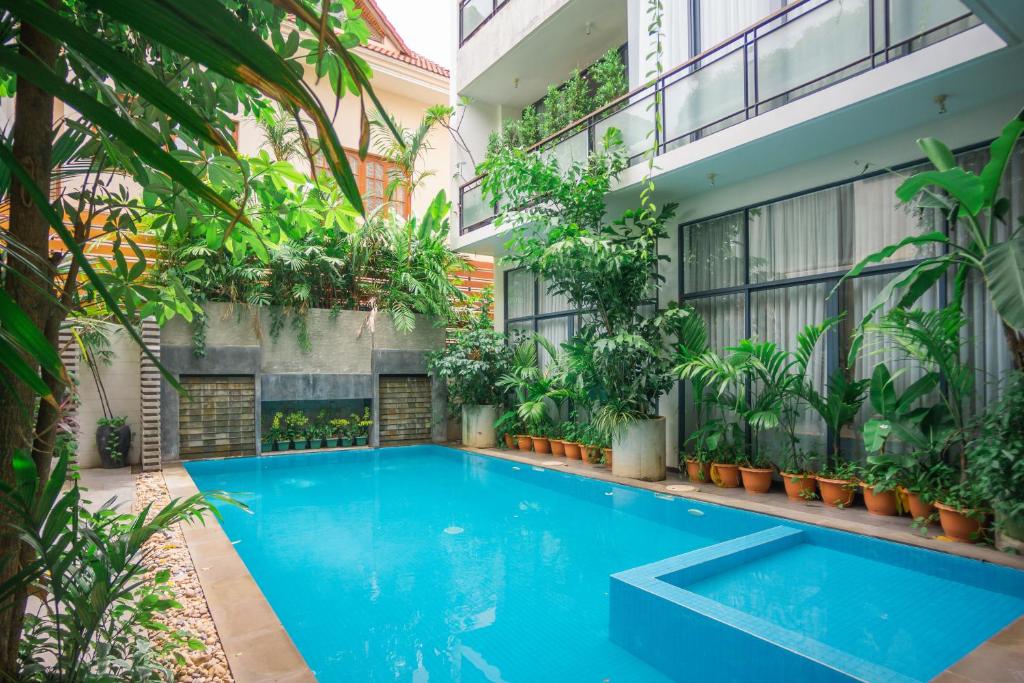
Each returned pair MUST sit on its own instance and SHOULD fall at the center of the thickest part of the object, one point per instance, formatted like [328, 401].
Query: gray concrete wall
[349, 350]
[120, 378]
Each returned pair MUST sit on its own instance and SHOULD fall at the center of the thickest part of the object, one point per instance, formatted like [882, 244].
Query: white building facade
[787, 128]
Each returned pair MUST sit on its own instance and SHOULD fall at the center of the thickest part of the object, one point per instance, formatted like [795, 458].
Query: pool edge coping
[258, 647]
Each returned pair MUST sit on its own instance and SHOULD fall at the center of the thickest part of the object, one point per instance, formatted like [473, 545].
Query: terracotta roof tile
[412, 58]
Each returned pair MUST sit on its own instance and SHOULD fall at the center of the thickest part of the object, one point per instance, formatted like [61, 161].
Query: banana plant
[932, 339]
[973, 206]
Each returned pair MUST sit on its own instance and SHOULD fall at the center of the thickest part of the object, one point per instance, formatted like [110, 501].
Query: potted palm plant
[532, 389]
[798, 472]
[757, 472]
[570, 439]
[555, 438]
[471, 365]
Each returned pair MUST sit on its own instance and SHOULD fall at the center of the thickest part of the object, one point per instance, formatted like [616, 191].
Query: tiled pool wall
[690, 637]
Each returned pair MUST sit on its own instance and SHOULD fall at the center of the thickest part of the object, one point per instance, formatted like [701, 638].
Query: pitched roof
[375, 17]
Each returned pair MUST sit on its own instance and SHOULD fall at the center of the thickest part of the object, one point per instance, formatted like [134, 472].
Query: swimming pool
[425, 562]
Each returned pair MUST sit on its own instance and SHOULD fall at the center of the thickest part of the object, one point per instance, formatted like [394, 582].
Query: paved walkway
[101, 485]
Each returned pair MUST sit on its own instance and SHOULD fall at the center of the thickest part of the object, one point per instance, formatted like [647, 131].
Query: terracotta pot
[509, 441]
[957, 525]
[524, 442]
[757, 479]
[836, 492]
[587, 452]
[607, 452]
[881, 503]
[572, 450]
[918, 507]
[541, 444]
[698, 472]
[797, 484]
[557, 447]
[725, 475]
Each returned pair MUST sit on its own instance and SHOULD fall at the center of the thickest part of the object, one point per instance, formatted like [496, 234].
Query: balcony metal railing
[798, 50]
[475, 13]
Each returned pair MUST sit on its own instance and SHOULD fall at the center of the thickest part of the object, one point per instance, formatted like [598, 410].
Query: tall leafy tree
[152, 87]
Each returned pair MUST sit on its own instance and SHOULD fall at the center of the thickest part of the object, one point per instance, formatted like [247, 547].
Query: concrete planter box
[639, 449]
[478, 426]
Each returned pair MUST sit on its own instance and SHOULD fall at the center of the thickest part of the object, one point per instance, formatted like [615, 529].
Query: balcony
[475, 13]
[801, 49]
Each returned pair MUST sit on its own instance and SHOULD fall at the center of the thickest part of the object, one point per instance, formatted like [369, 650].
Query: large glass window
[766, 271]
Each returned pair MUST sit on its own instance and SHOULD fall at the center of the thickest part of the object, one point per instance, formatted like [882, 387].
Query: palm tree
[144, 77]
[281, 133]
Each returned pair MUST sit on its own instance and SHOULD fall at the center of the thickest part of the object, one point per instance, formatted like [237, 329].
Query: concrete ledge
[258, 648]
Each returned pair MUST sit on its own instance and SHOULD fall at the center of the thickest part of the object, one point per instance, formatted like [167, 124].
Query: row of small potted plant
[295, 430]
[889, 484]
[568, 439]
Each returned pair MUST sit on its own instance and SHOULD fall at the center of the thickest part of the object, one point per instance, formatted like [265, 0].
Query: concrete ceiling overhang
[574, 36]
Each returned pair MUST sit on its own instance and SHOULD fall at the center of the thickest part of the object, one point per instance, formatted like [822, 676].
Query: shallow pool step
[690, 637]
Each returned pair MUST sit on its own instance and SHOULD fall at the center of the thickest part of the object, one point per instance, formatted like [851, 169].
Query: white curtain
[778, 315]
[713, 253]
[556, 331]
[879, 219]
[720, 19]
[796, 237]
[520, 294]
[724, 316]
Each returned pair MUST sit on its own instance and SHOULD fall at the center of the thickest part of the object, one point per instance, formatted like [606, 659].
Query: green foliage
[473, 362]
[319, 255]
[997, 454]
[99, 610]
[993, 250]
[580, 95]
[296, 424]
[940, 429]
[530, 386]
[608, 269]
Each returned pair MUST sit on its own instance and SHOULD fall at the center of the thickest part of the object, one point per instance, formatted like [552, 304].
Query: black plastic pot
[121, 440]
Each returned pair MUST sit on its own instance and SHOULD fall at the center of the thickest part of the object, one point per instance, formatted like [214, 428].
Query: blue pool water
[426, 563]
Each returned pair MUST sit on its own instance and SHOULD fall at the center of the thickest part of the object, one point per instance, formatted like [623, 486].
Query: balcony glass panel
[703, 97]
[474, 208]
[823, 39]
[473, 14]
[635, 122]
[908, 19]
[570, 150]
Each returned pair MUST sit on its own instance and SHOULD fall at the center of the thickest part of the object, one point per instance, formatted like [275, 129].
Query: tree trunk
[32, 146]
[1015, 340]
